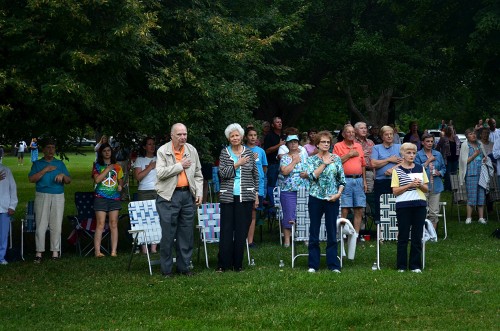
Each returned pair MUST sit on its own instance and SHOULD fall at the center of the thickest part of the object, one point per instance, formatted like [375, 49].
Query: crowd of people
[336, 176]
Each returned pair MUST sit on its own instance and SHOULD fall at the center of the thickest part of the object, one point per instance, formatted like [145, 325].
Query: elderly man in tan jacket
[180, 188]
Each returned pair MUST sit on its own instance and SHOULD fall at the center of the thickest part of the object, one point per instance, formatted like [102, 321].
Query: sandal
[99, 255]
[56, 258]
[37, 260]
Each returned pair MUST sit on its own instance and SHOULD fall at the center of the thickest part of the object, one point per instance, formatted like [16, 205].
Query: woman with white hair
[239, 194]
[409, 185]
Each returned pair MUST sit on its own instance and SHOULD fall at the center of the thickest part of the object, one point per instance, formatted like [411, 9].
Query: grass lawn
[458, 290]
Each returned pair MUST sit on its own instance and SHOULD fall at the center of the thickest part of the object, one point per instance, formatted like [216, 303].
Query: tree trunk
[374, 114]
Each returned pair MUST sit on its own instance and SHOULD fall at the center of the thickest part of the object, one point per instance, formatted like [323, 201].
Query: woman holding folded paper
[409, 185]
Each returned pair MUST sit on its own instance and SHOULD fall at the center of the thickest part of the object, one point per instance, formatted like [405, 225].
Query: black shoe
[220, 270]
[37, 260]
[168, 275]
[252, 245]
[56, 258]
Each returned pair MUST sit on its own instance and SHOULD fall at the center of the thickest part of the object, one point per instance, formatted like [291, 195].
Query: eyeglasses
[324, 142]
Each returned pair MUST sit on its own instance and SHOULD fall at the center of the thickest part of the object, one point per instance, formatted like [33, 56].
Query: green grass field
[458, 290]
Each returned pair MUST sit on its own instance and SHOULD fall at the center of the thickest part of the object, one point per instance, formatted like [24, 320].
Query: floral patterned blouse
[292, 182]
[329, 180]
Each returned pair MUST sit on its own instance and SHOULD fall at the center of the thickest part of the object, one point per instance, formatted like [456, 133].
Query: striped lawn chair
[209, 226]
[144, 227]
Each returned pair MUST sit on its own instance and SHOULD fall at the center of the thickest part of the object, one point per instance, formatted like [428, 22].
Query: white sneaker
[401, 270]
[311, 270]
[4, 262]
[336, 271]
[468, 221]
[482, 221]
[417, 271]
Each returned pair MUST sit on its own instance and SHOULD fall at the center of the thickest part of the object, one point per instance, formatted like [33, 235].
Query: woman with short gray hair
[239, 194]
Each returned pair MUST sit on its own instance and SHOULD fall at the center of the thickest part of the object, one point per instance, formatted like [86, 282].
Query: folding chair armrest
[135, 231]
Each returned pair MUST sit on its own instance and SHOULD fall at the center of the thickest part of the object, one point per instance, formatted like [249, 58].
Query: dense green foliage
[129, 68]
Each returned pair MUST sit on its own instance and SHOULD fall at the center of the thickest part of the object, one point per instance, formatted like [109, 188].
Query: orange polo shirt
[181, 178]
[354, 165]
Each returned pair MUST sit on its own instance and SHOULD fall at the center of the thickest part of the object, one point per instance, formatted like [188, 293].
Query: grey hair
[358, 124]
[234, 127]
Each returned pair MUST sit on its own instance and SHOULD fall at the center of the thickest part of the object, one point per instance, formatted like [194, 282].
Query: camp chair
[84, 225]
[442, 215]
[209, 226]
[300, 228]
[495, 193]
[459, 194]
[278, 211]
[370, 210]
[144, 227]
[387, 228]
[28, 225]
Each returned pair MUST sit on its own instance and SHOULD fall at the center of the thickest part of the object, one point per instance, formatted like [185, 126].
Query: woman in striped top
[409, 185]
[239, 194]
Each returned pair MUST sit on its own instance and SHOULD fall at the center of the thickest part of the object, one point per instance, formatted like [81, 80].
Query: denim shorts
[102, 204]
[353, 194]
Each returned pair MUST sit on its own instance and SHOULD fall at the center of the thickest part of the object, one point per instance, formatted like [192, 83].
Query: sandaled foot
[37, 260]
[113, 254]
[99, 255]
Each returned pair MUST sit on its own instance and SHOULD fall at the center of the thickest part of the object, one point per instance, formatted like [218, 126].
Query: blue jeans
[317, 208]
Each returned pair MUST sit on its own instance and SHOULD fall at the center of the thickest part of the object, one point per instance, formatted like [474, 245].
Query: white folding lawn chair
[145, 227]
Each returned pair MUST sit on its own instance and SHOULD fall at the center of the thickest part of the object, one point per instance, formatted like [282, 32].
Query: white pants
[49, 210]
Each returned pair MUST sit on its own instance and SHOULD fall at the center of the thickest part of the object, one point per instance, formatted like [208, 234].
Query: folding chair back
[84, 224]
[209, 226]
[278, 210]
[495, 193]
[28, 224]
[145, 225]
[459, 194]
[300, 229]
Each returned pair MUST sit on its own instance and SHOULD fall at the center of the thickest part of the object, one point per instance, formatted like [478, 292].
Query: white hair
[234, 127]
[358, 125]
